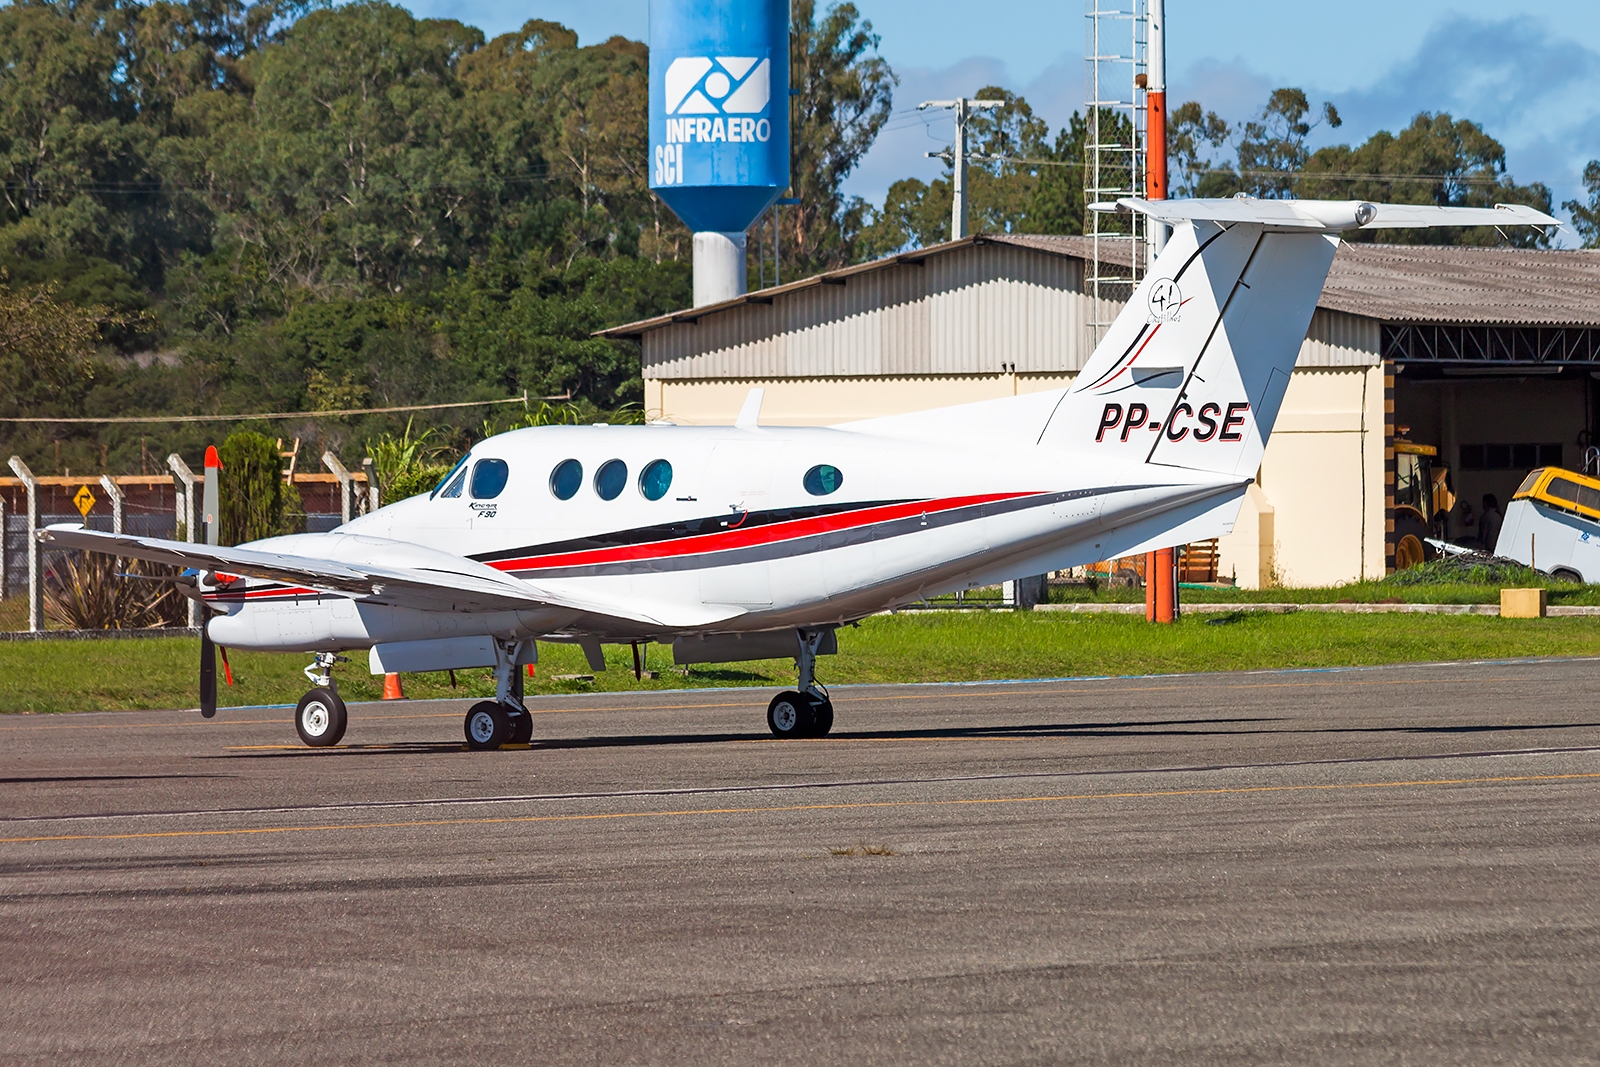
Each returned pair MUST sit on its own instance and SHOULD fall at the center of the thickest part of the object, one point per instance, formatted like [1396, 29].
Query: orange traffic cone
[391, 687]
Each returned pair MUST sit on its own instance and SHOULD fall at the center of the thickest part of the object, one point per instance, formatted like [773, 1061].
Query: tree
[1273, 146]
[251, 488]
[1017, 182]
[1586, 217]
[1190, 169]
[845, 95]
[48, 348]
[1056, 202]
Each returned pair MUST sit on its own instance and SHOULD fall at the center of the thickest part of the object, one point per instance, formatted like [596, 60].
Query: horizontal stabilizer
[1327, 216]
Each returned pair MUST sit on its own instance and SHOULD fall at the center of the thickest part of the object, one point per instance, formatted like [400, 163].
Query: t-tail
[1193, 372]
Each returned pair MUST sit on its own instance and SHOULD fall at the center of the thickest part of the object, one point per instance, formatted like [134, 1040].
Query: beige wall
[1316, 518]
[1323, 473]
[823, 401]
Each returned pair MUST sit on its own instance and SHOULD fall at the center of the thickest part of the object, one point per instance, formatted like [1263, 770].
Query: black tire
[1566, 574]
[320, 718]
[1411, 543]
[821, 717]
[790, 715]
[488, 725]
[521, 728]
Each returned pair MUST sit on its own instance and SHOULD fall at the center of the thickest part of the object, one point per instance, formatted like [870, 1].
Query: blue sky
[1532, 79]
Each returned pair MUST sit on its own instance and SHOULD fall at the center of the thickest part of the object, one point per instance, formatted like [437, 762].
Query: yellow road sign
[84, 500]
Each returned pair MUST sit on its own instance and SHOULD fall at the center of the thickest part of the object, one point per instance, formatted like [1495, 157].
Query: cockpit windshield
[451, 473]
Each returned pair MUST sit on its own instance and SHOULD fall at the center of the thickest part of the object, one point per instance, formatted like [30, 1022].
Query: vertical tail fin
[1193, 371]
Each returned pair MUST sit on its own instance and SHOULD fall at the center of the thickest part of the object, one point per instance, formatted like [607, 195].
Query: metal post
[958, 175]
[35, 548]
[1155, 126]
[186, 478]
[331, 461]
[958, 158]
[370, 469]
[211, 497]
[118, 501]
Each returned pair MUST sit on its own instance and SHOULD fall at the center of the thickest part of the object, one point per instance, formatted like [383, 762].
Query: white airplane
[752, 542]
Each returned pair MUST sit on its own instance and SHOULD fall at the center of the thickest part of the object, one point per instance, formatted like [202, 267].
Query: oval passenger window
[655, 479]
[566, 478]
[488, 478]
[610, 478]
[823, 479]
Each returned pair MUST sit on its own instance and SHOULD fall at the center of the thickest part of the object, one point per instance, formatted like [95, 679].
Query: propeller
[208, 675]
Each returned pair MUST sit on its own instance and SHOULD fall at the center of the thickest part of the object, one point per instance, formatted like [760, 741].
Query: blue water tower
[719, 125]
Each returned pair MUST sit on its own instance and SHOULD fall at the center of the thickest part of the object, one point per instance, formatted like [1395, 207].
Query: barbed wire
[335, 413]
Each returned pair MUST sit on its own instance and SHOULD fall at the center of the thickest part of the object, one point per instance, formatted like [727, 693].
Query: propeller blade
[208, 675]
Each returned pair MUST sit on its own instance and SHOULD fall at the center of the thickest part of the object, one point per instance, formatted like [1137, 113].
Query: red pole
[1165, 585]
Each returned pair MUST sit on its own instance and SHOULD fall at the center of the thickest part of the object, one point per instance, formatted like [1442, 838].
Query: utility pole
[957, 157]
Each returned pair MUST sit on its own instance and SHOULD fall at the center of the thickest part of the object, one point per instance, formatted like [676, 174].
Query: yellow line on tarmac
[852, 806]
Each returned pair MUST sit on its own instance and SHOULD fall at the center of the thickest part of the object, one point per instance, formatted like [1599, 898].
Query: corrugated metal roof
[1393, 283]
[1441, 284]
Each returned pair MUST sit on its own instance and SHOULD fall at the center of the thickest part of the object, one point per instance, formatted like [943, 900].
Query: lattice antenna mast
[1114, 163]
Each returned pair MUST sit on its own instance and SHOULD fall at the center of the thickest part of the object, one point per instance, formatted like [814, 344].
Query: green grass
[50, 676]
[1428, 585]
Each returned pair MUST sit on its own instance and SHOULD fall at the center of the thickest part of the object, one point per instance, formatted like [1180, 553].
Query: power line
[523, 399]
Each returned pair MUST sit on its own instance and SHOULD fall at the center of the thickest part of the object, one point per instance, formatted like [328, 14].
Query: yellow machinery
[1422, 498]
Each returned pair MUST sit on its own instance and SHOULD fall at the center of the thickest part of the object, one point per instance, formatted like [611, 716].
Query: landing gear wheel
[821, 717]
[488, 725]
[521, 728]
[790, 715]
[320, 718]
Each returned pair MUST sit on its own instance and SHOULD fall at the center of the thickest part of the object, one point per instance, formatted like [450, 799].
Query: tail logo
[1165, 300]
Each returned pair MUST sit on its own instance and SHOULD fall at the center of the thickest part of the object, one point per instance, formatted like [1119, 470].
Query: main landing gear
[320, 717]
[505, 719]
[809, 712]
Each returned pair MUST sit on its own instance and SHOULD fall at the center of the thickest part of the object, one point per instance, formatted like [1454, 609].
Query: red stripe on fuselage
[257, 594]
[722, 540]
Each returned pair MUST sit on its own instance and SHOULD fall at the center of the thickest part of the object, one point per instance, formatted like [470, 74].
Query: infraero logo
[714, 94]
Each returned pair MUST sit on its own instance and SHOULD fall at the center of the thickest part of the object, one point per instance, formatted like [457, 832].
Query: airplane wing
[427, 580]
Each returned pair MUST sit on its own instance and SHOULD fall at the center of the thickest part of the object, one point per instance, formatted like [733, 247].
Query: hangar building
[1488, 355]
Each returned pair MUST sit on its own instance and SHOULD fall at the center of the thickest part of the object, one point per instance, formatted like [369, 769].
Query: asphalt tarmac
[1367, 866]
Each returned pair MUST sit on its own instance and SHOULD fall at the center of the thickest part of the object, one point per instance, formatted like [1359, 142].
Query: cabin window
[610, 478]
[823, 479]
[655, 479]
[489, 478]
[565, 479]
[439, 490]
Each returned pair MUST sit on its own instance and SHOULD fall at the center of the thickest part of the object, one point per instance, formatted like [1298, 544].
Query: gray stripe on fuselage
[800, 546]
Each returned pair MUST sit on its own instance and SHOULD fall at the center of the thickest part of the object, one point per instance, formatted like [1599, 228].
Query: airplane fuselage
[763, 528]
